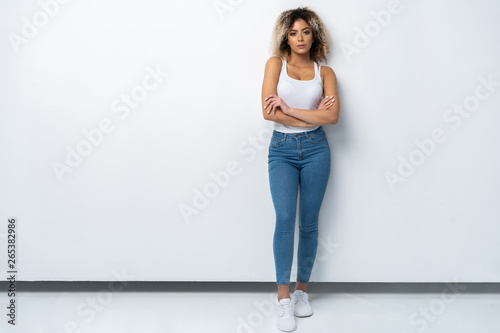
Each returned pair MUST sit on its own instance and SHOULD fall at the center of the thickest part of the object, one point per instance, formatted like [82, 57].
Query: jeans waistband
[284, 136]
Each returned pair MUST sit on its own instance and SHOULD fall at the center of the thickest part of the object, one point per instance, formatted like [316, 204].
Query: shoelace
[301, 296]
[286, 308]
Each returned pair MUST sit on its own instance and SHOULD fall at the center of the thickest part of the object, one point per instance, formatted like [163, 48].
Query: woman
[299, 153]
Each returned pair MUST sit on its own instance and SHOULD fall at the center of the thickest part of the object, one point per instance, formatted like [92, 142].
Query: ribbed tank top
[299, 94]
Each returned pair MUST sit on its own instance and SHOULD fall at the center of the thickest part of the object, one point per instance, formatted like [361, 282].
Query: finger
[328, 105]
[276, 107]
[329, 102]
[271, 107]
[272, 102]
[270, 96]
[270, 99]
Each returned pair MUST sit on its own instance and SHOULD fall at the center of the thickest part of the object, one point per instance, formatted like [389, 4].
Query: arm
[269, 86]
[321, 116]
[284, 119]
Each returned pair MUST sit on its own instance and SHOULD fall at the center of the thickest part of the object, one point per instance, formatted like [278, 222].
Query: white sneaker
[302, 308]
[286, 320]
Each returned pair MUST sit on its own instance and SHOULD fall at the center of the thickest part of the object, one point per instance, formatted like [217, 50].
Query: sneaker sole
[287, 330]
[304, 315]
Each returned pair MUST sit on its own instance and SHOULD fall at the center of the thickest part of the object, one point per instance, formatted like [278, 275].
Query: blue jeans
[297, 159]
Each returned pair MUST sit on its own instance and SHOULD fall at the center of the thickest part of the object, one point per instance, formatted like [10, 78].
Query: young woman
[299, 153]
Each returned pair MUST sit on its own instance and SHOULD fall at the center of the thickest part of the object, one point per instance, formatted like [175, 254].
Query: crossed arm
[275, 109]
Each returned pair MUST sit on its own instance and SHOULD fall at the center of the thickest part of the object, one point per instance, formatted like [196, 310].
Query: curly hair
[319, 49]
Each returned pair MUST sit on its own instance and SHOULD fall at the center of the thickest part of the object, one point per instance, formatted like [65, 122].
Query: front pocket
[317, 137]
[276, 142]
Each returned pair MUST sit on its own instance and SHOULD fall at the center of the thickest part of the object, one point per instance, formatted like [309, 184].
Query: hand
[276, 103]
[326, 102]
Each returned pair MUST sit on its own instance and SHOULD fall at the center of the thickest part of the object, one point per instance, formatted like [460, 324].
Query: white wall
[119, 207]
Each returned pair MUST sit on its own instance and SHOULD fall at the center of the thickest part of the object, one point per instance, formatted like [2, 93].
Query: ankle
[301, 286]
[280, 297]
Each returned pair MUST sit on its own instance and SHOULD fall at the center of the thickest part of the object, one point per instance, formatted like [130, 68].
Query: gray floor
[218, 307]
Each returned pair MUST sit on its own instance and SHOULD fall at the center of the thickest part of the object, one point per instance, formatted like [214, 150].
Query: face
[300, 37]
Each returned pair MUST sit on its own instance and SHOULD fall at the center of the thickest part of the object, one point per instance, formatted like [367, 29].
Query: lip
[301, 46]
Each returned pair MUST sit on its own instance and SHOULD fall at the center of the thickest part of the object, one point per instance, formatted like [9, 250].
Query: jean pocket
[276, 142]
[318, 137]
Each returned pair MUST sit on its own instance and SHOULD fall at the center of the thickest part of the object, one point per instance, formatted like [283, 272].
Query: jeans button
[296, 135]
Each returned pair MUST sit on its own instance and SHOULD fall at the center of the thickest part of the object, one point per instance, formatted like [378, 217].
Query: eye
[307, 32]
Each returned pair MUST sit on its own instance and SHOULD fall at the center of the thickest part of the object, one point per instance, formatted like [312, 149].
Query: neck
[299, 60]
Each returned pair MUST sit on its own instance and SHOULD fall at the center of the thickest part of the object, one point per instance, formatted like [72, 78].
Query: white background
[120, 207]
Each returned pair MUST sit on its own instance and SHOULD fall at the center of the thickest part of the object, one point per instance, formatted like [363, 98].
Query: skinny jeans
[297, 161]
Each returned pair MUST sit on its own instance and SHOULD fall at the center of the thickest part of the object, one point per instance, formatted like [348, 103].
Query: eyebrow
[302, 29]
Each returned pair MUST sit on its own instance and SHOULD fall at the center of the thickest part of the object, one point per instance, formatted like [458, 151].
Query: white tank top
[299, 94]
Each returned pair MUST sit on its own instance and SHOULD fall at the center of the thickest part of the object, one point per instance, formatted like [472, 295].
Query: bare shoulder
[329, 82]
[274, 63]
[327, 72]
